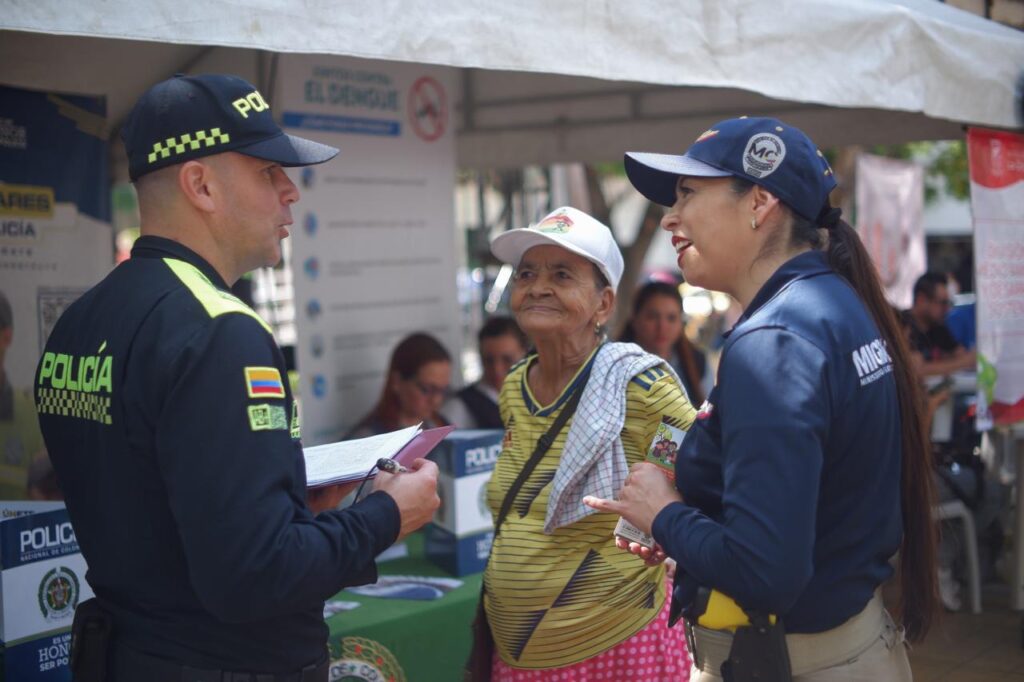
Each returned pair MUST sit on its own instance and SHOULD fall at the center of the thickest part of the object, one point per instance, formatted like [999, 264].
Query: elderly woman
[808, 468]
[562, 602]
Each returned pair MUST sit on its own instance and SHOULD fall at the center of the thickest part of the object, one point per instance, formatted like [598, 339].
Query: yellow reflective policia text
[73, 386]
[252, 102]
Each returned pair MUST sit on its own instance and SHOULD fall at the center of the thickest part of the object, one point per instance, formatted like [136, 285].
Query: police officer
[164, 405]
[807, 468]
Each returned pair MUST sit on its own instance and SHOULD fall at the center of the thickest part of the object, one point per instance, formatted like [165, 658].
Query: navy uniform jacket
[791, 473]
[165, 408]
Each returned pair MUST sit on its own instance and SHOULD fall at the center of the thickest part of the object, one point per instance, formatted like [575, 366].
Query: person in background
[22, 452]
[657, 327]
[416, 385]
[502, 344]
[808, 468]
[934, 349]
[562, 601]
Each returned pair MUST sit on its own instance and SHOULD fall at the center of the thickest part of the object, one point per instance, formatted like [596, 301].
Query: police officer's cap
[188, 117]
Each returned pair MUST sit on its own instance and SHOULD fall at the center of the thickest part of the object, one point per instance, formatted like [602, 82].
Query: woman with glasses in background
[418, 378]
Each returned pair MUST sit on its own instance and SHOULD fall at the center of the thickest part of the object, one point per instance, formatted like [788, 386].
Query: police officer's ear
[196, 181]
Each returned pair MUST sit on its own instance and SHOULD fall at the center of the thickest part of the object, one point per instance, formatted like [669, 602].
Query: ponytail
[917, 577]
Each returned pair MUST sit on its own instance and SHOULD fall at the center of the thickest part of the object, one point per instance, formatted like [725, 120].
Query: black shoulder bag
[478, 667]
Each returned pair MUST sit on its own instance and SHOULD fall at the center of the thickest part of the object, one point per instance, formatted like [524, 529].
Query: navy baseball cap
[189, 117]
[764, 151]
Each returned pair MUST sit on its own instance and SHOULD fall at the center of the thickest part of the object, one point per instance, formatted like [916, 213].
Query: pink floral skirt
[655, 654]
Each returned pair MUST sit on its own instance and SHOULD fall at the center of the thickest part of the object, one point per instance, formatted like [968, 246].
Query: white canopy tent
[576, 80]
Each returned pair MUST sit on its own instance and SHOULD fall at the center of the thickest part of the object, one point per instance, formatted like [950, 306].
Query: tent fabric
[907, 55]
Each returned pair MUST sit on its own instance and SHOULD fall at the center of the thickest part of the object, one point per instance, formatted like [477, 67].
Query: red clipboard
[423, 443]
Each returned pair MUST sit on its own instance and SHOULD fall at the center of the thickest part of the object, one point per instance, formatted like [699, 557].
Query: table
[404, 640]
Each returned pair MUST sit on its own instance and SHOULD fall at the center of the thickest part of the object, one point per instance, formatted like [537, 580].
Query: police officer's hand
[414, 492]
[329, 496]
[647, 491]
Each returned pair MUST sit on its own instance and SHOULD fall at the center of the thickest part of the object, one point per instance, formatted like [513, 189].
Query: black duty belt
[129, 664]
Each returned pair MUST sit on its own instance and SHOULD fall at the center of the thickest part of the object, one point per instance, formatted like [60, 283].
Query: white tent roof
[569, 80]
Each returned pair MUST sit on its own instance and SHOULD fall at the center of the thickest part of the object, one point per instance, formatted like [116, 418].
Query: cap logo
[763, 155]
[252, 102]
[189, 142]
[556, 224]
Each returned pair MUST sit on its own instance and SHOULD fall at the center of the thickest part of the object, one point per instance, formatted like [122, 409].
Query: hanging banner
[890, 209]
[373, 245]
[55, 242]
[996, 162]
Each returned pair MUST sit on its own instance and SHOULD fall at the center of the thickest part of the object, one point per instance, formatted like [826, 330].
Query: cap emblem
[559, 223]
[763, 155]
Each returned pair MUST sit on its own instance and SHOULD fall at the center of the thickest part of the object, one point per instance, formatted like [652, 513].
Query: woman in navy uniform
[806, 470]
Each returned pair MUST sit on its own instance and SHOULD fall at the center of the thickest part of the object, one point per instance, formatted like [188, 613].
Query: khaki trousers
[867, 648]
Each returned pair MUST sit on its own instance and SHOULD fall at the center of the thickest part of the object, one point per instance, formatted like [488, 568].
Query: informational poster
[373, 249]
[997, 203]
[890, 210]
[42, 581]
[55, 242]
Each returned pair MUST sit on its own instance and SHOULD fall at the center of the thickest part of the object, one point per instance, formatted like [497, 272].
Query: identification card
[662, 453]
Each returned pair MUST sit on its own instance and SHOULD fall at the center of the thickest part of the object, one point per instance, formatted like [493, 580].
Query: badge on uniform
[263, 382]
[267, 417]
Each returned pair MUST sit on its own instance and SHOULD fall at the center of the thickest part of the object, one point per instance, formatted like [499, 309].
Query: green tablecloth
[399, 640]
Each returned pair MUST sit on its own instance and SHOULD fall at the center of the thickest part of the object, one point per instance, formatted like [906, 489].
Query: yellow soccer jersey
[554, 600]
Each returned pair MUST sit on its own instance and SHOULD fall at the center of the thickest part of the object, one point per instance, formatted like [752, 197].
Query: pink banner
[997, 203]
[890, 207]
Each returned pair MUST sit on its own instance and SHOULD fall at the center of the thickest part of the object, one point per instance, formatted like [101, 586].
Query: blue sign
[50, 140]
[343, 124]
[36, 537]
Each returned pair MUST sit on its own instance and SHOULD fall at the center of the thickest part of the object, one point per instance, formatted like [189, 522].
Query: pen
[391, 466]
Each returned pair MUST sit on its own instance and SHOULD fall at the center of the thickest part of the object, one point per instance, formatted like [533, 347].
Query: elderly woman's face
[555, 291]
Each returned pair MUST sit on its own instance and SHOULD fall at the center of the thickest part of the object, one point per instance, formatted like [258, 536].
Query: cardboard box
[42, 581]
[459, 539]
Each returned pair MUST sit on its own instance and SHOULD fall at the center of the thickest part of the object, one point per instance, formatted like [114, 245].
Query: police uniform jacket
[791, 472]
[165, 409]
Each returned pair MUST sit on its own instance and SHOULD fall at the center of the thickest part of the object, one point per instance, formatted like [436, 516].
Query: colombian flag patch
[263, 382]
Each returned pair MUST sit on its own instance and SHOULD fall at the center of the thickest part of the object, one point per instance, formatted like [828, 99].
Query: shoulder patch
[263, 382]
[267, 417]
[215, 301]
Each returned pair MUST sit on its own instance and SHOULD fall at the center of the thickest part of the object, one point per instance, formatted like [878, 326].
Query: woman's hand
[652, 556]
[647, 491]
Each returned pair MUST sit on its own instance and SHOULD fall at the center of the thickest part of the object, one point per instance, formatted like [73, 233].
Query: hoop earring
[753, 223]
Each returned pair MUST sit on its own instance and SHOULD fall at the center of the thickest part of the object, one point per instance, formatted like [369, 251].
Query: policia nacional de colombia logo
[364, 660]
[58, 593]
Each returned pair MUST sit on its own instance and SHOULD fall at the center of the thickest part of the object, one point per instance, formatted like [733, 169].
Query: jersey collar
[150, 246]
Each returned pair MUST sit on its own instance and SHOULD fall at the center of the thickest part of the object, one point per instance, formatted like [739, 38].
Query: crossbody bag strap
[544, 444]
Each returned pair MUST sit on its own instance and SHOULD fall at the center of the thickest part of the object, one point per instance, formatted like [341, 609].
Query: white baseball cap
[571, 229]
